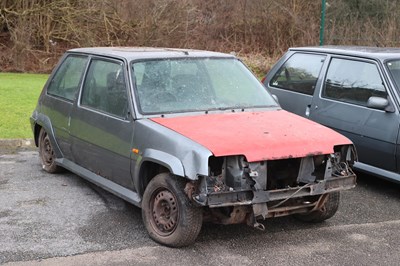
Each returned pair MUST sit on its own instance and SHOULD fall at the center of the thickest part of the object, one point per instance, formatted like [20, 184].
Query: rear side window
[353, 81]
[66, 81]
[299, 73]
[105, 89]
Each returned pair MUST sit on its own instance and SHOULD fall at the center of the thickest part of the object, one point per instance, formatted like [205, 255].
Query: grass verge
[18, 97]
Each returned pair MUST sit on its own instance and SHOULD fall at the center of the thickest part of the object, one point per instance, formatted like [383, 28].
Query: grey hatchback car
[354, 90]
[188, 136]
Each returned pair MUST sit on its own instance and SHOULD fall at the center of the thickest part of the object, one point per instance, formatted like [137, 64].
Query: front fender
[173, 164]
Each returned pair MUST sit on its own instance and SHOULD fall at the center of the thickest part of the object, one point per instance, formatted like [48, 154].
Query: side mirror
[380, 104]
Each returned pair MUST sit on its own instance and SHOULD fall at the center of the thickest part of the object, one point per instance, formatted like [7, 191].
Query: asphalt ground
[62, 219]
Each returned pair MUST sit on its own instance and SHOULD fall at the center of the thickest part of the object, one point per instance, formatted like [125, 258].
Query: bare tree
[33, 33]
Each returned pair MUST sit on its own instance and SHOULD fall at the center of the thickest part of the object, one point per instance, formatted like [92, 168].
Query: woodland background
[35, 33]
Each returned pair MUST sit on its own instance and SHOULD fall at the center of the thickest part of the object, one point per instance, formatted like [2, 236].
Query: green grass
[18, 97]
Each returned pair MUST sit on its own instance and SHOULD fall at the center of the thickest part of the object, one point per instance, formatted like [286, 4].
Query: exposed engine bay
[237, 191]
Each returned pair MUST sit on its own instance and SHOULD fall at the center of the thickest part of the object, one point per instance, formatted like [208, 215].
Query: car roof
[133, 53]
[379, 53]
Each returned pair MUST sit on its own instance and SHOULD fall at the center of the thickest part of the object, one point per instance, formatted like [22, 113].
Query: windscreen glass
[196, 84]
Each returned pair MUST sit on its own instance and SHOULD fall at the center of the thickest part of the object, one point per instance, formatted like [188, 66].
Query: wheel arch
[36, 131]
[44, 122]
[152, 163]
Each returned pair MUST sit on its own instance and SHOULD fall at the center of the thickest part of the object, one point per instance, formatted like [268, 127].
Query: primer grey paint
[160, 144]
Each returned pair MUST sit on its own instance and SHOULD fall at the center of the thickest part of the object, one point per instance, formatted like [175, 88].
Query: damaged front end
[237, 191]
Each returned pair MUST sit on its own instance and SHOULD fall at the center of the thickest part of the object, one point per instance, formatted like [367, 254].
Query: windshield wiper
[224, 109]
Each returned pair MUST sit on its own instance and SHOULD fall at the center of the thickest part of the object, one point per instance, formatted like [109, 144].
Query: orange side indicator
[135, 151]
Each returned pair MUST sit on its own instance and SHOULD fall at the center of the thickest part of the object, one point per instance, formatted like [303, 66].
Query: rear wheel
[168, 214]
[46, 153]
[327, 211]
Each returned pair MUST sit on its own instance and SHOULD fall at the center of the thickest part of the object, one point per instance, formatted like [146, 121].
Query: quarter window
[299, 73]
[353, 81]
[105, 88]
[66, 81]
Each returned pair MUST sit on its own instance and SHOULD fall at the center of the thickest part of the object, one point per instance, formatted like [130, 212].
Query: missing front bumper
[250, 197]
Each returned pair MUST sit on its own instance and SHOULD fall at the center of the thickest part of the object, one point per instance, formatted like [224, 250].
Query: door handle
[308, 110]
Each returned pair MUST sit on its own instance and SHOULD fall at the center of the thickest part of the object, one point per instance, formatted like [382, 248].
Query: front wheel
[327, 211]
[168, 214]
[46, 153]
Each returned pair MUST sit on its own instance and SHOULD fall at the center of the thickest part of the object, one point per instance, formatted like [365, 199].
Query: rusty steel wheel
[168, 214]
[165, 212]
[46, 153]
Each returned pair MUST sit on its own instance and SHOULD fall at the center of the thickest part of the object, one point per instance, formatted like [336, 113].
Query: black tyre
[327, 211]
[169, 216]
[46, 153]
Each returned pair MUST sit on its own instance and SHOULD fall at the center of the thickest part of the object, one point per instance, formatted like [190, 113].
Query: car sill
[120, 191]
[366, 168]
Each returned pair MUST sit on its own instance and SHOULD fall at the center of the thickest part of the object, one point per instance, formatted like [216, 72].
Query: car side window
[394, 69]
[299, 73]
[353, 81]
[105, 88]
[66, 80]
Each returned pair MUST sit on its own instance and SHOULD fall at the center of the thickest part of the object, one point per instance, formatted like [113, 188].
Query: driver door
[101, 123]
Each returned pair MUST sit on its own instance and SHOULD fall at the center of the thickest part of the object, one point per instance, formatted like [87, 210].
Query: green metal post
[322, 25]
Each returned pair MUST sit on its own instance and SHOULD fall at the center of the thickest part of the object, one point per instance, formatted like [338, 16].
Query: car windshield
[394, 69]
[197, 84]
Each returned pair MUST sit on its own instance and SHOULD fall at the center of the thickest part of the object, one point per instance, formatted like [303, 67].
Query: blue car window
[394, 70]
[353, 81]
[299, 73]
